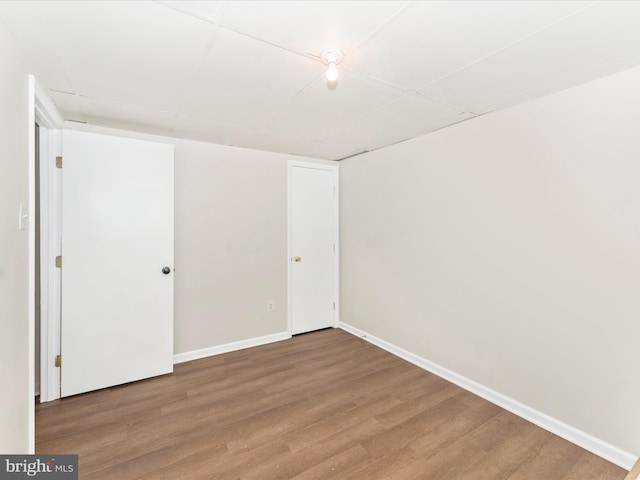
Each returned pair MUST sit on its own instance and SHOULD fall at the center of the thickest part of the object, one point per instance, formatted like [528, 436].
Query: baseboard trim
[599, 447]
[229, 347]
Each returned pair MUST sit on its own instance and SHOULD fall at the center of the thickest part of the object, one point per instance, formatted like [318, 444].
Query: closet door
[117, 261]
[313, 230]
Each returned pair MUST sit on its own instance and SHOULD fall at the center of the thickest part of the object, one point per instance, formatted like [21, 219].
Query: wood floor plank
[335, 465]
[557, 457]
[509, 443]
[316, 452]
[398, 464]
[407, 409]
[325, 405]
[449, 421]
[314, 433]
[591, 467]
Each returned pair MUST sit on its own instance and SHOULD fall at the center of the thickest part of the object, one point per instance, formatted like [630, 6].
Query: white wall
[230, 242]
[507, 249]
[15, 402]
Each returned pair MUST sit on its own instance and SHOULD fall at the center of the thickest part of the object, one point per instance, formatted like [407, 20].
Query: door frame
[291, 164]
[51, 123]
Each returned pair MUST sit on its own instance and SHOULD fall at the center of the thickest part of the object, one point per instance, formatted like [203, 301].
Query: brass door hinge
[59, 261]
[58, 362]
[58, 162]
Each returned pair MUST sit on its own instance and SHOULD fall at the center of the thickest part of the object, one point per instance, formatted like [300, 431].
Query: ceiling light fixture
[332, 57]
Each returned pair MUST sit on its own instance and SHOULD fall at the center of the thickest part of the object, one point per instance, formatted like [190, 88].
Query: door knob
[166, 270]
[296, 259]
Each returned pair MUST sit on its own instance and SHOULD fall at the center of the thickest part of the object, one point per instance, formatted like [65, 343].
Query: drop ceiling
[249, 73]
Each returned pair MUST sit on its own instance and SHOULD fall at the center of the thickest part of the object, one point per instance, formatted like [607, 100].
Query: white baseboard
[599, 447]
[229, 347]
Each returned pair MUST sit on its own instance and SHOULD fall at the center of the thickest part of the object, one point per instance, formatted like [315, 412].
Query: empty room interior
[321, 239]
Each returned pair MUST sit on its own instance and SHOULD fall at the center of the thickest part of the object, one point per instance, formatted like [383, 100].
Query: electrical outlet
[271, 306]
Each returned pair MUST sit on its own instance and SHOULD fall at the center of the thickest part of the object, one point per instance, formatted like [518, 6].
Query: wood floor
[324, 405]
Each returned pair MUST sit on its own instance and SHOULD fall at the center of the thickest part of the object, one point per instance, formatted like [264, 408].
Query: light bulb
[332, 72]
[331, 57]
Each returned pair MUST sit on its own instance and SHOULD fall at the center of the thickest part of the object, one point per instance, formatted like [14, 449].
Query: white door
[313, 248]
[117, 237]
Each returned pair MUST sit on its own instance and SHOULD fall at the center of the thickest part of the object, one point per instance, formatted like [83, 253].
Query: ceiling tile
[352, 98]
[433, 39]
[209, 11]
[243, 80]
[327, 151]
[204, 130]
[274, 141]
[407, 118]
[604, 33]
[126, 117]
[310, 26]
[22, 21]
[133, 52]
